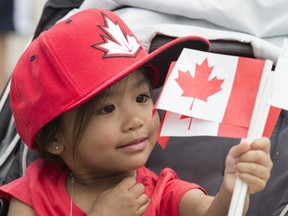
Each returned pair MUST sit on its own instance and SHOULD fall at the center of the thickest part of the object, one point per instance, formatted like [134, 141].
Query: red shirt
[43, 188]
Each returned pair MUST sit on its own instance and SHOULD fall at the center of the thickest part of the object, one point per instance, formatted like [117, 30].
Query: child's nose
[132, 121]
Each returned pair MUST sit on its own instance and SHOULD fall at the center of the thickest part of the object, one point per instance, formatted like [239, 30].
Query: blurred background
[18, 20]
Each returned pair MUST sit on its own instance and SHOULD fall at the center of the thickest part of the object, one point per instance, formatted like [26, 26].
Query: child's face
[120, 135]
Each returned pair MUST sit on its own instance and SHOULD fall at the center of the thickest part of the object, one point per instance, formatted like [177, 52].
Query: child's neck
[84, 191]
[96, 180]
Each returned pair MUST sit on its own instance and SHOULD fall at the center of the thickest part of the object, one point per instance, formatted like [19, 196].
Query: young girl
[81, 95]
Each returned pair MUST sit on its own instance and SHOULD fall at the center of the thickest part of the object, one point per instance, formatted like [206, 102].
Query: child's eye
[107, 109]
[142, 98]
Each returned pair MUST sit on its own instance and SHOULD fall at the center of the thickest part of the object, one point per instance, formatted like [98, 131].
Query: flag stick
[275, 93]
[256, 128]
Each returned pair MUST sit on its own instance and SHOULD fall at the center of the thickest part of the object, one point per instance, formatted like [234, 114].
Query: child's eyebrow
[140, 83]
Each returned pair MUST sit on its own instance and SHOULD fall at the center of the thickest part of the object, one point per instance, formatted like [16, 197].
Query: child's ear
[55, 147]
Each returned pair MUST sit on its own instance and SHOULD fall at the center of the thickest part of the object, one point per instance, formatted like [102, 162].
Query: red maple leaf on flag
[199, 86]
[190, 120]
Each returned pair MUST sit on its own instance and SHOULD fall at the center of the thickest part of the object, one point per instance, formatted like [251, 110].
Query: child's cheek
[155, 122]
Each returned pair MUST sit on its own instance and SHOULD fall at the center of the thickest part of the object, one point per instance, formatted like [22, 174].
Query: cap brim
[169, 52]
[161, 58]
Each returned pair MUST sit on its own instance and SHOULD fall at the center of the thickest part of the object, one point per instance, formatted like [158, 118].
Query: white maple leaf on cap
[117, 43]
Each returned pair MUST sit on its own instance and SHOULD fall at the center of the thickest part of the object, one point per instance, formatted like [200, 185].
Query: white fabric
[263, 23]
[104, 4]
[154, 22]
[23, 16]
[261, 18]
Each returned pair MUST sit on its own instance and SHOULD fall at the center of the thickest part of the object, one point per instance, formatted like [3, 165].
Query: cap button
[32, 58]
[68, 21]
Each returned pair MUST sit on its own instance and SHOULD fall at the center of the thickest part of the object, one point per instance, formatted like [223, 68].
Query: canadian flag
[211, 94]
[279, 96]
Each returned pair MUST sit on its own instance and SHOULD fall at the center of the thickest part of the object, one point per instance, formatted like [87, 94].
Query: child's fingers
[255, 184]
[233, 156]
[257, 157]
[144, 203]
[254, 169]
[261, 144]
[126, 183]
[254, 166]
[238, 150]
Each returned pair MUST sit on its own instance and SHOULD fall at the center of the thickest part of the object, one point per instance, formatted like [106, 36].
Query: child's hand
[127, 198]
[252, 163]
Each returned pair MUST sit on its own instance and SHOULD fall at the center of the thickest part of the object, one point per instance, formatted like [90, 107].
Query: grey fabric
[4, 204]
[53, 11]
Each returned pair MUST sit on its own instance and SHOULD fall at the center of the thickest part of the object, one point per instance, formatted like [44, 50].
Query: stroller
[15, 156]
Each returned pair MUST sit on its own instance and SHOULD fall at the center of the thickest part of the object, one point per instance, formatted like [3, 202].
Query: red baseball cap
[75, 60]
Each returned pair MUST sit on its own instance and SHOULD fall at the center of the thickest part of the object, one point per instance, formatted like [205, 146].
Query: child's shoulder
[41, 169]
